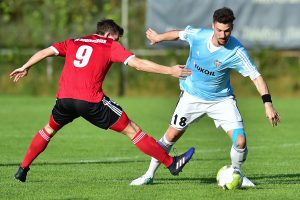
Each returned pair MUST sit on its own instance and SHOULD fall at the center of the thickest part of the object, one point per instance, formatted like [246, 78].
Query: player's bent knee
[49, 130]
[173, 134]
[126, 126]
[239, 138]
[131, 129]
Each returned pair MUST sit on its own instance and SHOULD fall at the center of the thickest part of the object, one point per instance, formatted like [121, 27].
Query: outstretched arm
[37, 57]
[177, 71]
[154, 37]
[271, 113]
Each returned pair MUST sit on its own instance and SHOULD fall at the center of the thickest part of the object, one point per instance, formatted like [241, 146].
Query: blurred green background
[30, 25]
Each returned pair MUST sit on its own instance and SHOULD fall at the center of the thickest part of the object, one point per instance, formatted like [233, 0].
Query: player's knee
[240, 142]
[172, 134]
[49, 130]
[131, 129]
[134, 126]
[239, 138]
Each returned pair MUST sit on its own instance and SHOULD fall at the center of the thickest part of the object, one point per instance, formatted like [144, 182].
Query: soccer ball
[229, 178]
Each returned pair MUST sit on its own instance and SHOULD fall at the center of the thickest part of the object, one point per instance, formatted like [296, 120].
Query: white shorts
[190, 108]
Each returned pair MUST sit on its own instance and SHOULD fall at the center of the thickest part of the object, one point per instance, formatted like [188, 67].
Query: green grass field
[83, 162]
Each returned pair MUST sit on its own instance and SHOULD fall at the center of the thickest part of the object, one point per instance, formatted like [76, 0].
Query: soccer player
[80, 94]
[213, 54]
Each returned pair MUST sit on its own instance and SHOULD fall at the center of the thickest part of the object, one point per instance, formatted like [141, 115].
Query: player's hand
[180, 72]
[152, 36]
[18, 73]
[272, 115]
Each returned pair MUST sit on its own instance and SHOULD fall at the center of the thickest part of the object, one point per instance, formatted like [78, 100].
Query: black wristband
[266, 98]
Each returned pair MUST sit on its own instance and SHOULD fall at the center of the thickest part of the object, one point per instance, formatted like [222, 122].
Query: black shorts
[103, 114]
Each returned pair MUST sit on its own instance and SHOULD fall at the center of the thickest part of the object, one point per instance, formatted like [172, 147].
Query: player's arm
[37, 57]
[154, 37]
[262, 88]
[177, 71]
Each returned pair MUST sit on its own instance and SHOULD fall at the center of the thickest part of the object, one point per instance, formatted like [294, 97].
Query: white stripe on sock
[138, 138]
[44, 135]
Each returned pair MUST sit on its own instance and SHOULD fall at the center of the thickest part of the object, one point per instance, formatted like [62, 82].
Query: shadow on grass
[257, 179]
[79, 162]
[177, 180]
[89, 162]
[279, 179]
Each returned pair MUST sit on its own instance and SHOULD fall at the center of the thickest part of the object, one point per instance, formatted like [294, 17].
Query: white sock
[154, 164]
[238, 156]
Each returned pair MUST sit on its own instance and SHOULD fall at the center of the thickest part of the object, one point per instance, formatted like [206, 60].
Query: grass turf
[84, 162]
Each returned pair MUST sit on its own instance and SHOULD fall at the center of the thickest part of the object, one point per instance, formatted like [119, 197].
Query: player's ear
[106, 34]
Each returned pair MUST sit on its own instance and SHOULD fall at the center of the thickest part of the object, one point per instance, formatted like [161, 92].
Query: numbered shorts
[105, 114]
[190, 108]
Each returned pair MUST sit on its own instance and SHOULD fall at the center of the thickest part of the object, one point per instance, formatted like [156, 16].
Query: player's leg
[151, 147]
[166, 142]
[239, 151]
[187, 110]
[108, 114]
[227, 116]
[42, 138]
[146, 143]
[38, 145]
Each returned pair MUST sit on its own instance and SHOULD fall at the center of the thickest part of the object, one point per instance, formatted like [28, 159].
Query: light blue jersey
[210, 79]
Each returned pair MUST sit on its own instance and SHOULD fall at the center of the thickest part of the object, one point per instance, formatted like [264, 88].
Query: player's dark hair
[223, 15]
[108, 25]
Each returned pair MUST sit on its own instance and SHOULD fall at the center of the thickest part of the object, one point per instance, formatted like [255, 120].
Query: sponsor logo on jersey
[218, 63]
[91, 40]
[204, 71]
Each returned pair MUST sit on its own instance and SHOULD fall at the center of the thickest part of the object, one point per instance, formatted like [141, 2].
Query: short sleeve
[60, 48]
[244, 64]
[188, 33]
[119, 53]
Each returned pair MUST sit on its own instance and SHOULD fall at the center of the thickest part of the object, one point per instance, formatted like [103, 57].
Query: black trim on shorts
[180, 96]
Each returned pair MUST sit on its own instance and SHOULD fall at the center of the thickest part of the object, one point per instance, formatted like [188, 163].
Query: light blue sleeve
[244, 65]
[188, 34]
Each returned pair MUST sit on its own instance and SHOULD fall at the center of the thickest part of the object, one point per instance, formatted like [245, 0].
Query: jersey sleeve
[188, 34]
[120, 54]
[244, 65]
[60, 48]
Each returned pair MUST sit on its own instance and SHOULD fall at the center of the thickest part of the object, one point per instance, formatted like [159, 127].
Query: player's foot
[143, 180]
[247, 183]
[180, 161]
[21, 174]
